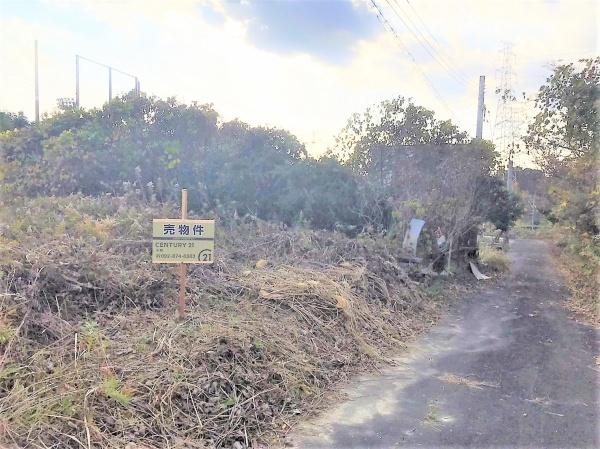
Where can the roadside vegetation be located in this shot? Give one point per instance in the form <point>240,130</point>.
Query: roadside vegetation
<point>309,286</point>
<point>92,354</point>
<point>543,229</point>
<point>494,258</point>
<point>564,139</point>
<point>580,260</point>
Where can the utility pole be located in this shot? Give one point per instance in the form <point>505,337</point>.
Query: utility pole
<point>480,108</point>
<point>77,81</point>
<point>37,86</point>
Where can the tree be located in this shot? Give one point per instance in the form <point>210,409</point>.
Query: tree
<point>327,195</point>
<point>565,141</point>
<point>388,126</point>
<point>427,168</point>
<point>159,145</point>
<point>10,121</point>
<point>247,168</point>
<point>566,125</point>
<point>133,139</point>
<point>496,204</point>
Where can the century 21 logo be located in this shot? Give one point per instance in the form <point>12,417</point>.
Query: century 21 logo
<point>205,255</point>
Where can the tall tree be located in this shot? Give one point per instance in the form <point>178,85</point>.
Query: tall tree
<point>387,126</point>
<point>566,125</point>
<point>10,121</point>
<point>564,138</point>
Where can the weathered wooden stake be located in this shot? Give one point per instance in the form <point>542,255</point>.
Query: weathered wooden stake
<point>182,266</point>
<point>449,254</point>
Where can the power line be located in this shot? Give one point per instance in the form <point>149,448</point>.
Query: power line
<point>439,45</point>
<point>388,26</point>
<point>423,40</point>
<point>421,20</point>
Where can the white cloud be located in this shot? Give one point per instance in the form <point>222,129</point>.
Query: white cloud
<point>17,38</point>
<point>178,53</point>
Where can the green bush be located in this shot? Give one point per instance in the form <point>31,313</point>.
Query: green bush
<point>155,147</point>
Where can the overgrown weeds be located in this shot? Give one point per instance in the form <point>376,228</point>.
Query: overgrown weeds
<point>93,358</point>
<point>580,261</point>
<point>494,258</point>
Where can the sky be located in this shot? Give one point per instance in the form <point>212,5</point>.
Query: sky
<point>305,66</point>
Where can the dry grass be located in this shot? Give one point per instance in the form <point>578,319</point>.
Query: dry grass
<point>579,260</point>
<point>92,356</point>
<point>585,299</point>
<point>493,258</point>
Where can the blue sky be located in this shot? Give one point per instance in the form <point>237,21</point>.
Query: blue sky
<point>323,28</point>
<point>301,65</point>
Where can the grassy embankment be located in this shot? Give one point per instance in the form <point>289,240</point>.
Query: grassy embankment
<point>580,262</point>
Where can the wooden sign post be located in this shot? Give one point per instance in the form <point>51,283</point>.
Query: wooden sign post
<point>182,267</point>
<point>182,241</point>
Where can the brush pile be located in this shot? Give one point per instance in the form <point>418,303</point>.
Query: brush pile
<point>91,355</point>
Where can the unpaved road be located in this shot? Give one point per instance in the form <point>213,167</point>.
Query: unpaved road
<point>507,368</point>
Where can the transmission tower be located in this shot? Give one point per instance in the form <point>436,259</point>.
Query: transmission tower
<point>507,124</point>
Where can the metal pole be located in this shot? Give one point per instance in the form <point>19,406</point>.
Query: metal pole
<point>480,107</point>
<point>37,86</point>
<point>77,80</point>
<point>109,84</point>
<point>136,87</point>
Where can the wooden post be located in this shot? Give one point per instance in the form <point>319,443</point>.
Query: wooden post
<point>449,254</point>
<point>182,267</point>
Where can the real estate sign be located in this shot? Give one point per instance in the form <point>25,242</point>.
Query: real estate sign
<point>183,241</point>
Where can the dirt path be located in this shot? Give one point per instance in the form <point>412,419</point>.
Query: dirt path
<point>506,368</point>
